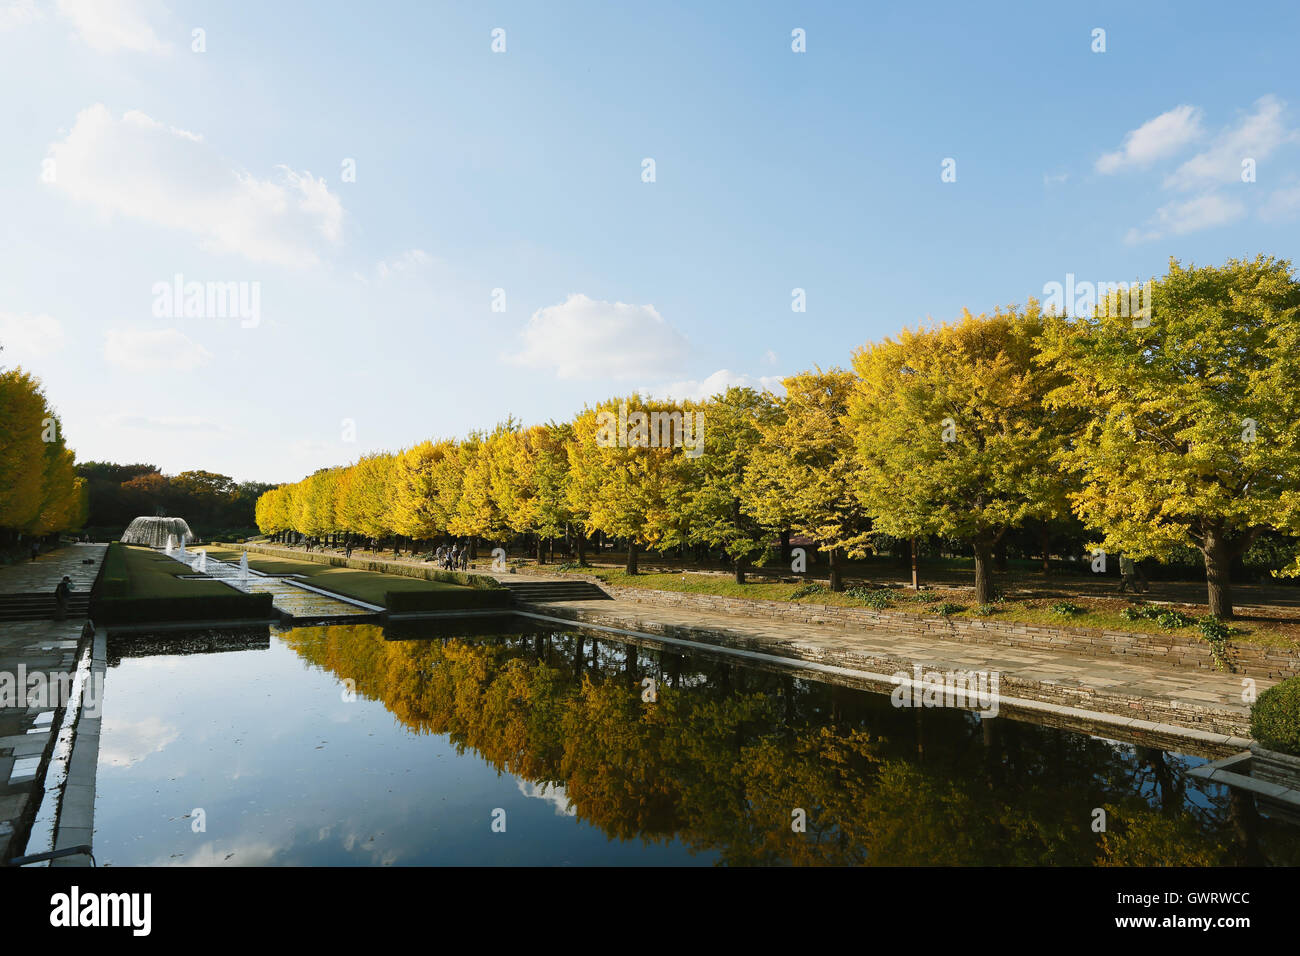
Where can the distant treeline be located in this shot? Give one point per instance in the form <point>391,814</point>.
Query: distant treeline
<point>209,502</point>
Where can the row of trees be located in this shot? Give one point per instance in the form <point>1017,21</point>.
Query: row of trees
<point>209,502</point>
<point>1180,429</point>
<point>40,493</point>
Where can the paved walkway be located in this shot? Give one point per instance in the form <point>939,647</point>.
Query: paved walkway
<point>32,731</point>
<point>46,571</point>
<point>1201,700</point>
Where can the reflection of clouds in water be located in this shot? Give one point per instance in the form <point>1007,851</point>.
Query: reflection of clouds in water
<point>157,663</point>
<point>209,854</point>
<point>370,847</point>
<point>123,743</point>
<point>550,792</point>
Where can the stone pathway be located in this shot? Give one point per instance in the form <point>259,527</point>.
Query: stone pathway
<point>47,570</point>
<point>32,731</point>
<point>1196,699</point>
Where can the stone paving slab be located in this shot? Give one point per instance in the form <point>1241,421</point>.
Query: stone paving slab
<point>46,571</point>
<point>29,729</point>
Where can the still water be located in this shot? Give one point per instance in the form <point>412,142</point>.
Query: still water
<point>346,745</point>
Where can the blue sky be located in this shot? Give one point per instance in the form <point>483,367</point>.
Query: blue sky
<point>522,171</point>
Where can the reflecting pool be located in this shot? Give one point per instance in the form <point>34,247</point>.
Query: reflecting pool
<point>452,744</point>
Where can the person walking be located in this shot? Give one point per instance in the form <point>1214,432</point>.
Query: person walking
<point>36,548</point>
<point>61,592</point>
<point>1127,574</point>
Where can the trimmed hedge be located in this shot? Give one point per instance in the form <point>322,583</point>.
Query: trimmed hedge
<point>115,580</point>
<point>160,610</point>
<point>398,602</point>
<point>143,588</point>
<point>1275,718</point>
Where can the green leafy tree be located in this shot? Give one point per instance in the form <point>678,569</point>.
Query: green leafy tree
<point>952,434</point>
<point>1193,434</point>
<point>803,474</point>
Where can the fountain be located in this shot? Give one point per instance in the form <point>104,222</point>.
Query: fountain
<point>154,531</point>
<point>200,564</point>
<point>243,566</point>
<point>171,544</point>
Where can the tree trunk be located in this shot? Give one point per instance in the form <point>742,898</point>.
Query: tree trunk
<point>983,574</point>
<point>541,549</point>
<point>1045,538</point>
<point>837,574</point>
<point>631,556</point>
<point>582,549</point>
<point>785,546</point>
<point>740,570</point>
<point>916,571</point>
<point>1218,564</point>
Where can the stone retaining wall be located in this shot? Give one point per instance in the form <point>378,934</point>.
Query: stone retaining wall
<point>1203,718</point>
<point>1173,650</point>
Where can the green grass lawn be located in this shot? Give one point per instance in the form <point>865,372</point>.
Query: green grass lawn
<point>152,574</point>
<point>1101,613</point>
<point>141,586</point>
<point>369,586</point>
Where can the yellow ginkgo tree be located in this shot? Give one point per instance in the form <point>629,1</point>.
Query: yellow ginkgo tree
<point>952,436</point>
<point>1192,434</point>
<point>803,474</point>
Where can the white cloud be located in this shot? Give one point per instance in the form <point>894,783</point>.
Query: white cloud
<point>30,335</point>
<point>153,350</point>
<point>1256,137</point>
<point>1055,179</point>
<point>111,25</point>
<point>1180,218</point>
<point>142,169</point>
<point>582,338</point>
<point>1153,140</point>
<point>719,381</point>
<point>409,261</point>
<point>18,13</point>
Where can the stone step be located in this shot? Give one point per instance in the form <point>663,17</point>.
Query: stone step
<point>554,591</point>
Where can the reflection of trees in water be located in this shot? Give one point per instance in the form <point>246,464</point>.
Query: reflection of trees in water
<point>727,753</point>
<point>180,643</point>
